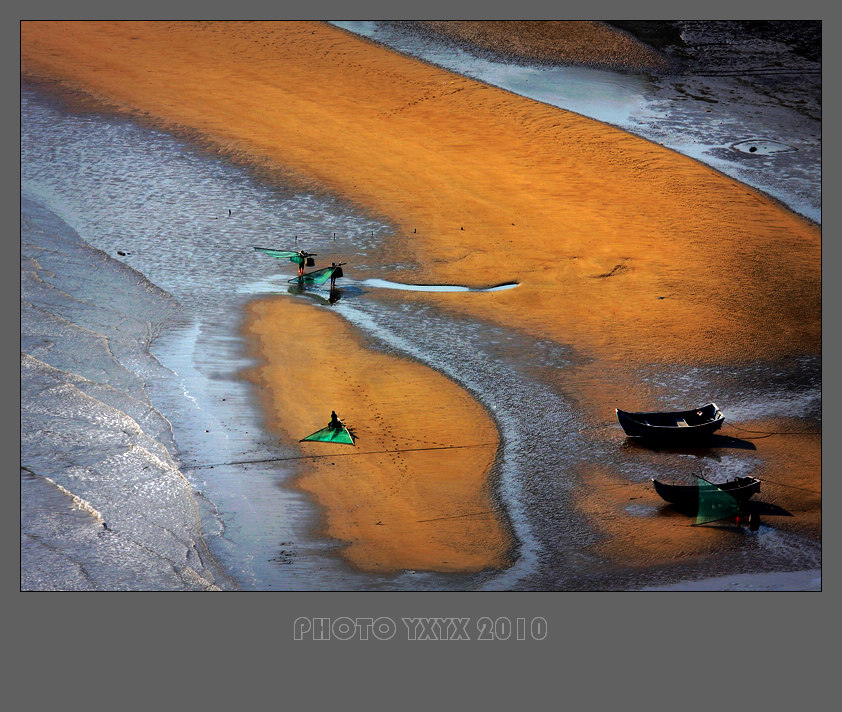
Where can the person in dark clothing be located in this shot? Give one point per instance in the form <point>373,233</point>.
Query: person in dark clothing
<point>335,423</point>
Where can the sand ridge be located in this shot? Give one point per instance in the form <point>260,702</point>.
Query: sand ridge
<point>414,492</point>
<point>556,41</point>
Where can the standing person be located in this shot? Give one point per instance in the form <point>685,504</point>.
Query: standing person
<point>335,274</point>
<point>335,423</point>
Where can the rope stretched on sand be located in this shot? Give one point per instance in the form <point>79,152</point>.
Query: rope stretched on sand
<point>766,433</point>
<point>457,516</point>
<point>338,454</point>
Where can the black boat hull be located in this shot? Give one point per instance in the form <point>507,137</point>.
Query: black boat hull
<point>672,426</point>
<point>740,489</point>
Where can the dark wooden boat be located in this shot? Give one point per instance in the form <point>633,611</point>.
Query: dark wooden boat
<point>680,425</point>
<point>740,488</point>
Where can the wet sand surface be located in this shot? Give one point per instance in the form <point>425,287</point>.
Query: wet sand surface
<point>405,496</point>
<point>682,286</point>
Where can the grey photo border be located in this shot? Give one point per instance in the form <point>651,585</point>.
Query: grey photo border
<point>600,648</point>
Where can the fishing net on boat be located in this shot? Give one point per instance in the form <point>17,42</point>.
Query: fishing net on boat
<point>714,503</point>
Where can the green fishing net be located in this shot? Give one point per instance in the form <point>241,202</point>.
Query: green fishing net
<point>331,435</point>
<point>714,503</point>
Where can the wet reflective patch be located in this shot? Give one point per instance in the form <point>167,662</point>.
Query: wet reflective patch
<point>762,146</point>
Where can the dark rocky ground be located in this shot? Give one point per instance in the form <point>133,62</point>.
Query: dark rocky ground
<point>745,97</point>
<point>780,58</point>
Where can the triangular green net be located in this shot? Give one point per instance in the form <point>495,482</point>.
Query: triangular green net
<point>280,254</point>
<point>714,503</point>
<point>320,276</point>
<point>331,435</point>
